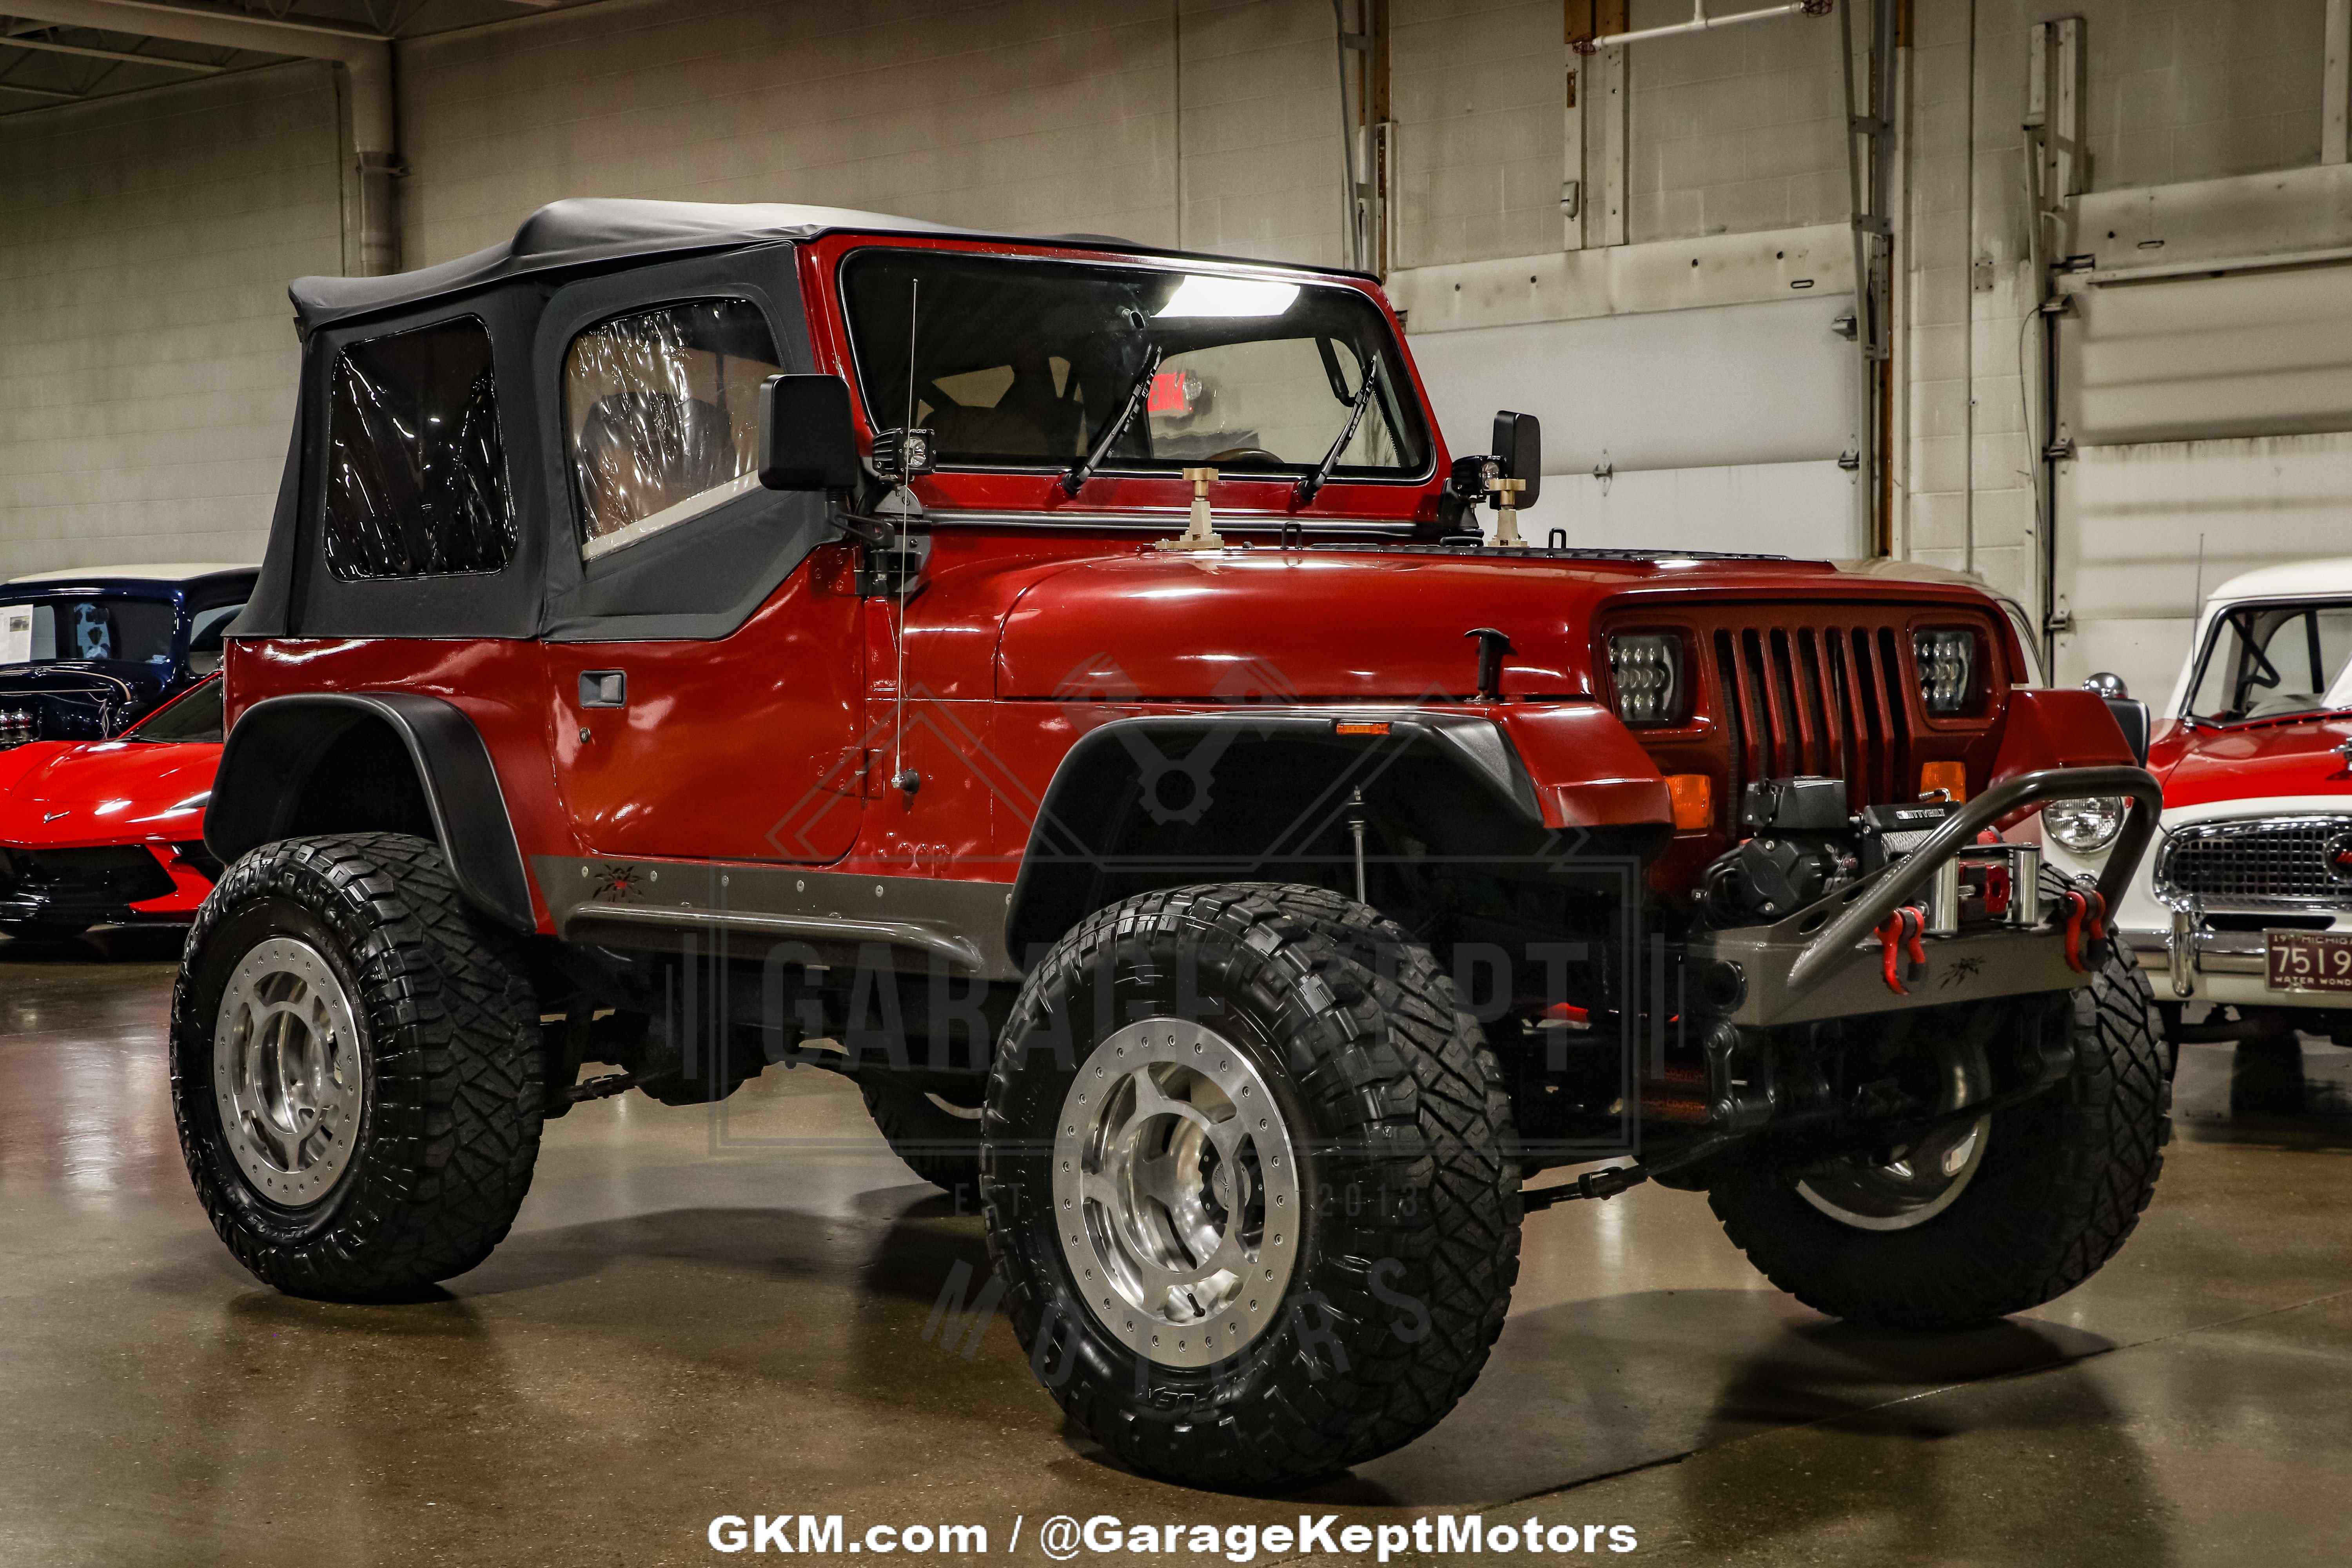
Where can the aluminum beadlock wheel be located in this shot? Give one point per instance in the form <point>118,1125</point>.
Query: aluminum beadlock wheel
<point>1925,1178</point>
<point>287,1072</point>
<point>1176,1193</point>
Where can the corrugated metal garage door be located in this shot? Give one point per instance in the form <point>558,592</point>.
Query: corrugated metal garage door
<point>1723,425</point>
<point>2212,424</point>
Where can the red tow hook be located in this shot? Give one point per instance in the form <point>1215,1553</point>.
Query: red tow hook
<point>1899,938</point>
<point>2086,910</point>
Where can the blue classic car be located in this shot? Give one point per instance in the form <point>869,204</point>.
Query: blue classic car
<point>85,654</point>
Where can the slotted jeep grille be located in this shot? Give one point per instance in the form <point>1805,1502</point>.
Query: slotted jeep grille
<point>1829,690</point>
<point>1827,700</point>
<point>2272,862</point>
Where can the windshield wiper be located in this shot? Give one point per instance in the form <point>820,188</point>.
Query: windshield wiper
<point>1304,491</point>
<point>1137,395</point>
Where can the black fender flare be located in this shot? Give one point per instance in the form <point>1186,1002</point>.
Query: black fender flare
<point>277,745</point>
<point>1063,846</point>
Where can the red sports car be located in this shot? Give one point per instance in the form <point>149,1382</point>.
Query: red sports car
<point>108,832</point>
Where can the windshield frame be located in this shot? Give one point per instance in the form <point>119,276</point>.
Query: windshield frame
<point>2336,699</point>
<point>1405,386</point>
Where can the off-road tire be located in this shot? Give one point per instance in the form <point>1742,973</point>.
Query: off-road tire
<point>451,1118</point>
<point>940,1147</point>
<point>1411,1245</point>
<point>2064,1177</point>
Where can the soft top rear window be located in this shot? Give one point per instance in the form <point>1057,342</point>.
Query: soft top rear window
<point>416,477</point>
<point>1024,361</point>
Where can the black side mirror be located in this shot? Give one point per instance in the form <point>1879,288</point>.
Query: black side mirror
<point>1518,441</point>
<point>2131,717</point>
<point>807,441</point>
<point>2131,714</point>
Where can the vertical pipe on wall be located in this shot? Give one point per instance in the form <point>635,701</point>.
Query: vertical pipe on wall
<point>1176,107</point>
<point>1363,126</point>
<point>1870,125</point>
<point>1968,338</point>
<point>2335,85</point>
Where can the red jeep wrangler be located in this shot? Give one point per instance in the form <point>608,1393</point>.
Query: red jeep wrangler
<point>1065,687</point>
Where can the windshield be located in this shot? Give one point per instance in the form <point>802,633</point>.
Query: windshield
<point>110,627</point>
<point>195,717</point>
<point>1026,363</point>
<point>2274,660</point>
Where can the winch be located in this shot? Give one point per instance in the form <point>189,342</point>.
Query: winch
<point>1803,845</point>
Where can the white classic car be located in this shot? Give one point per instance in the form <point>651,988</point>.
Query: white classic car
<point>2243,912</point>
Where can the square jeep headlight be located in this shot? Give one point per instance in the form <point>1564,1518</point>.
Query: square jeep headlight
<point>1646,668</point>
<point>1947,660</point>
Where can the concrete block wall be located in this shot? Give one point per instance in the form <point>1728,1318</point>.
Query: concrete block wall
<point>1028,115</point>
<point>1731,132</point>
<point>1260,154</point>
<point>2195,88</point>
<point>1476,89</point>
<point>147,355</point>
<point>1034,115</point>
<point>1734,130</point>
<point>2173,92</point>
<point>146,358</point>
<point>147,350</point>
<point>1934,232</point>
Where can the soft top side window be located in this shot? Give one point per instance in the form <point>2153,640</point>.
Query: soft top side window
<point>660,416</point>
<point>416,473</point>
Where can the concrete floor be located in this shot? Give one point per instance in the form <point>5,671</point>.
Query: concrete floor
<point>710,1313</point>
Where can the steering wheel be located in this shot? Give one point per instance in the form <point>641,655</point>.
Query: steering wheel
<point>1231,453</point>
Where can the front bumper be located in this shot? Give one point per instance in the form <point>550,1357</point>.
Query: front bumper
<point>2216,953</point>
<point>103,884</point>
<point>1822,963</point>
<point>2193,962</point>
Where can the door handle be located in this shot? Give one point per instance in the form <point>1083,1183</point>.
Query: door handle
<point>603,689</point>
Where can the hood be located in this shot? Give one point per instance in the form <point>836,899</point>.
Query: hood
<point>105,792</point>
<point>2260,761</point>
<point>1355,625</point>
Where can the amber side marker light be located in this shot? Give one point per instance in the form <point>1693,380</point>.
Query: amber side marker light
<point>1694,798</point>
<point>1952,778</point>
<point>1348,727</point>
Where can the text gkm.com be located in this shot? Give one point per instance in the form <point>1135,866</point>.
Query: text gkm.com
<point>1063,1538</point>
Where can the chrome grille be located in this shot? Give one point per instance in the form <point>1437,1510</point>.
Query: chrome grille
<point>2260,863</point>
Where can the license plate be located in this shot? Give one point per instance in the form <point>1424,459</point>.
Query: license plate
<point>2308,960</point>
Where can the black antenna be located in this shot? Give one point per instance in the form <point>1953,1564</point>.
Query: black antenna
<point>914,300</point>
<point>900,775</point>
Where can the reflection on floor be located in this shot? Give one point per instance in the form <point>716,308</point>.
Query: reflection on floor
<point>705,1313</point>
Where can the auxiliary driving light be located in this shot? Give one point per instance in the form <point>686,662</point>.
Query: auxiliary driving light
<point>1646,668</point>
<point>1947,657</point>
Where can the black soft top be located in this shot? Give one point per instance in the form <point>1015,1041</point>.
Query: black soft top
<point>590,229</point>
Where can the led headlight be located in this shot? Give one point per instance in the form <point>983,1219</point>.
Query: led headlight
<point>1947,657</point>
<point>2085,826</point>
<point>1646,668</point>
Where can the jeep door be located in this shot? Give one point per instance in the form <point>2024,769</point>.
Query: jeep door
<point>704,638</point>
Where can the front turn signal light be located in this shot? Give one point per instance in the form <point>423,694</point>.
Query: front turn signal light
<point>1952,778</point>
<point>1694,798</point>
